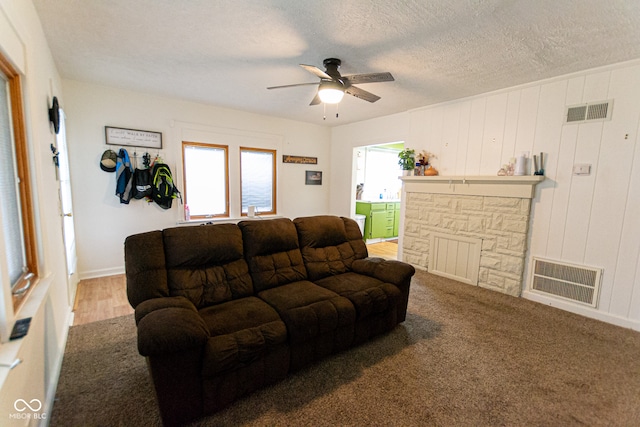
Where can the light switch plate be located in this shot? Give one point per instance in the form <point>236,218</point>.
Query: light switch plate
<point>581,169</point>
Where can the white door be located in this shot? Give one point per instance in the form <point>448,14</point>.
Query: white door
<point>66,207</point>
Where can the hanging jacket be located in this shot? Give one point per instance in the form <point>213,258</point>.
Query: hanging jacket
<point>124,174</point>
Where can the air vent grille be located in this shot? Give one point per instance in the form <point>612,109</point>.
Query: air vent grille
<point>573,282</point>
<point>576,114</point>
<point>589,112</point>
<point>597,111</point>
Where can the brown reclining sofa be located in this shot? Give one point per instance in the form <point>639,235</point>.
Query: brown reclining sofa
<point>222,310</point>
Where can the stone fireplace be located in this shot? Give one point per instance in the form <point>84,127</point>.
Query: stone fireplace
<point>492,211</point>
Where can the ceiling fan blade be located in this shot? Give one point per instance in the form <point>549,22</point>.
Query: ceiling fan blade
<point>294,85</point>
<point>369,78</point>
<point>362,94</point>
<point>316,100</point>
<point>317,71</point>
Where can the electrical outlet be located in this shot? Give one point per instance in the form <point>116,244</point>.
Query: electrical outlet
<point>581,169</point>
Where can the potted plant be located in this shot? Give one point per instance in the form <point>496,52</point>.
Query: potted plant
<point>406,160</point>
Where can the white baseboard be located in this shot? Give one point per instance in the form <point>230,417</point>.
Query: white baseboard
<point>583,311</point>
<point>92,274</point>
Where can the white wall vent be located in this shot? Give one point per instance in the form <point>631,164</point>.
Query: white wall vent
<point>455,257</point>
<point>589,112</point>
<point>572,282</point>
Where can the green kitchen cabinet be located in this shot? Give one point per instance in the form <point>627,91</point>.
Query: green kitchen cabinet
<point>381,219</point>
<point>396,220</point>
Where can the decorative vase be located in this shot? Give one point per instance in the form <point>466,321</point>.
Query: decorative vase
<point>431,171</point>
<point>406,172</point>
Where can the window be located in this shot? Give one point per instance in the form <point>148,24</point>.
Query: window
<point>206,179</point>
<point>381,174</point>
<point>16,212</point>
<point>258,180</point>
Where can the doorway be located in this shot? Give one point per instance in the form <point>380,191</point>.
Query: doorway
<point>377,196</point>
<point>66,209</point>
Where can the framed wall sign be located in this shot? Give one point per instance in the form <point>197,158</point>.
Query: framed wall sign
<point>313,178</point>
<point>133,137</point>
<point>301,160</point>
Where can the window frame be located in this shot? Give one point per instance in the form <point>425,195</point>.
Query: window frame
<point>186,144</point>
<point>29,278</point>
<point>274,177</point>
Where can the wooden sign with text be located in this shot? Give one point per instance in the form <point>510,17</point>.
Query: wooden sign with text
<point>133,137</point>
<point>301,160</point>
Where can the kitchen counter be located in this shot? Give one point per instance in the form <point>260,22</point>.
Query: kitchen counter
<point>380,201</point>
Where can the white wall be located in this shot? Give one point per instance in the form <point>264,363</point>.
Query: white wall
<point>23,42</point>
<point>591,220</point>
<point>102,223</point>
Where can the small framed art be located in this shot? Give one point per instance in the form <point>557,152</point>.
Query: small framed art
<point>313,178</point>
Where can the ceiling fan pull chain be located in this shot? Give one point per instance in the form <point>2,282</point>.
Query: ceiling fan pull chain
<point>324,112</point>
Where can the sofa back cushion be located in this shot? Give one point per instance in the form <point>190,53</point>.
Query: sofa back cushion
<point>354,236</point>
<point>205,264</point>
<point>329,244</point>
<point>145,267</point>
<point>272,252</point>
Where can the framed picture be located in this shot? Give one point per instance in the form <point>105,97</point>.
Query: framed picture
<point>313,178</point>
<point>133,137</point>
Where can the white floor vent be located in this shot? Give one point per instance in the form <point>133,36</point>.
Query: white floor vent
<point>455,257</point>
<point>576,283</point>
<point>589,112</point>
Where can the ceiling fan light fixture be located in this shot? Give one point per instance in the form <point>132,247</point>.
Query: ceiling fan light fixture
<point>331,92</point>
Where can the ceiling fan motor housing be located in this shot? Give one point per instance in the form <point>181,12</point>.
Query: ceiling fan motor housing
<point>332,65</point>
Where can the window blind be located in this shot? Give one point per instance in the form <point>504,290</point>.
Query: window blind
<point>205,172</point>
<point>10,206</point>
<point>257,180</point>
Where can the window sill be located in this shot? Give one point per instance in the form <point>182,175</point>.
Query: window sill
<point>29,308</point>
<point>225,220</point>
<point>22,358</point>
<point>26,285</point>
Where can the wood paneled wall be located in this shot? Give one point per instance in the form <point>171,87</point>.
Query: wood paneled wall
<point>592,220</point>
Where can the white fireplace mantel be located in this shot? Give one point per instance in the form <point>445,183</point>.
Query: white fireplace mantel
<point>499,186</point>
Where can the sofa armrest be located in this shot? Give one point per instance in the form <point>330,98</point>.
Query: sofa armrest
<point>389,271</point>
<point>395,272</point>
<point>153,304</point>
<point>171,330</point>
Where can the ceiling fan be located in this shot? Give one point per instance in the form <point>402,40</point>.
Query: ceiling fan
<point>333,86</point>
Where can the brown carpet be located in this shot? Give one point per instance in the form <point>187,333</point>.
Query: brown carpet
<point>464,357</point>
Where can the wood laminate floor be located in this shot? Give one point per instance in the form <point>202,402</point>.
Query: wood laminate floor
<point>100,299</point>
<point>106,297</point>
<point>388,250</point>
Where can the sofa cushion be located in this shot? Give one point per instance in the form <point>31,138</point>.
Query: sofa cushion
<point>242,331</point>
<point>326,246</point>
<point>320,231</point>
<point>309,310</point>
<point>354,236</point>
<point>272,252</point>
<point>367,294</point>
<point>205,264</point>
<point>236,315</point>
<point>146,267</point>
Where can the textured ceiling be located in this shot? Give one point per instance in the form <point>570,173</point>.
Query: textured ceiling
<point>226,52</point>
